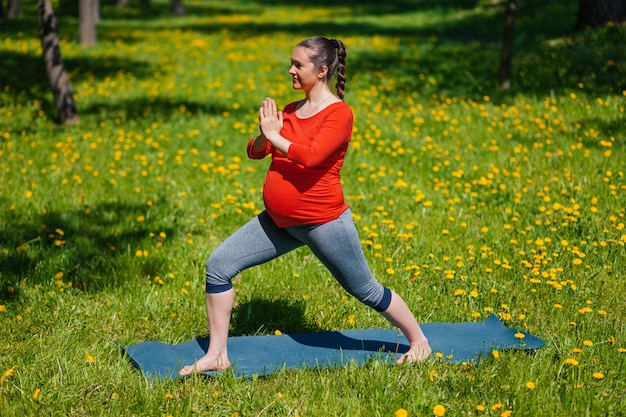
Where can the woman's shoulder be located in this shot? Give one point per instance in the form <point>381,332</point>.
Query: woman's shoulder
<point>340,107</point>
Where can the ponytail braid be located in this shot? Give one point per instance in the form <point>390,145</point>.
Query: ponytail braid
<point>341,68</point>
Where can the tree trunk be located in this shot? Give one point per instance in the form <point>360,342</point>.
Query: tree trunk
<point>506,56</point>
<point>1,11</point>
<point>59,80</point>
<point>96,11</point>
<point>87,10</point>
<point>14,9</point>
<point>593,14</point>
<point>176,7</point>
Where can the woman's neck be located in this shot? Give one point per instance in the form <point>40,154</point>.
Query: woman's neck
<point>318,95</point>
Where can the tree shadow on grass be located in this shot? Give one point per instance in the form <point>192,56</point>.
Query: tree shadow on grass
<point>158,108</point>
<point>93,251</point>
<point>27,80</point>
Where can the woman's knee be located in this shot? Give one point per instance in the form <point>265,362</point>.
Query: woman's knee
<point>217,277</point>
<point>374,295</point>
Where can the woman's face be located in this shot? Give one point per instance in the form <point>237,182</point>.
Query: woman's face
<point>303,72</point>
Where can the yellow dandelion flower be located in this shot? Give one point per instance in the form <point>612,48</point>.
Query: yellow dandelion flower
<point>432,375</point>
<point>277,332</point>
<point>519,335</point>
<point>8,373</point>
<point>2,308</point>
<point>480,407</point>
<point>530,385</point>
<point>598,375</point>
<point>578,261</point>
<point>588,343</point>
<point>90,359</point>
<point>401,412</point>
<point>495,353</point>
<point>439,410</point>
<point>168,396</point>
<point>506,413</point>
<point>36,394</point>
<point>497,406</point>
<point>571,361</point>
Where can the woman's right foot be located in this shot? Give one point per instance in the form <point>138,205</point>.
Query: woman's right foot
<point>209,362</point>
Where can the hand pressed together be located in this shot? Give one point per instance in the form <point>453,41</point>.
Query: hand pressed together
<point>270,119</point>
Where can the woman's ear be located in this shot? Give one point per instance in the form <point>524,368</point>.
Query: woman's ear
<point>322,72</point>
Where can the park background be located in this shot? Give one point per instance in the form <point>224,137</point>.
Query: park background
<point>470,200</point>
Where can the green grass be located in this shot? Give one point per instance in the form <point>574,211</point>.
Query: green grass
<point>469,201</point>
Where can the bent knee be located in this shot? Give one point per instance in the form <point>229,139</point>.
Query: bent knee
<point>217,278</point>
<point>377,297</point>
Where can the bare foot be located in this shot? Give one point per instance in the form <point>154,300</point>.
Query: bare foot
<point>209,362</point>
<point>416,353</point>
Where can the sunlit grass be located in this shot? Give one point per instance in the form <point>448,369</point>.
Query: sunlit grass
<point>469,202</point>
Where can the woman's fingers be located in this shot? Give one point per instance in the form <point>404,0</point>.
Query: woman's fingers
<point>269,108</point>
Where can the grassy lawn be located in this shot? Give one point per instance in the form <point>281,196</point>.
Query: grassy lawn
<point>470,201</point>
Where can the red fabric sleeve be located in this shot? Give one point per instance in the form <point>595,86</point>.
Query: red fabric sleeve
<point>334,132</point>
<point>259,155</point>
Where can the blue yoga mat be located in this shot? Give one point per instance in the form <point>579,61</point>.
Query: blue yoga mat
<point>264,355</point>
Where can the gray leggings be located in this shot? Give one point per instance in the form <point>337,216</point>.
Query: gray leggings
<point>336,244</point>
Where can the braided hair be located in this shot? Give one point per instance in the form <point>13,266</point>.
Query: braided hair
<point>331,53</point>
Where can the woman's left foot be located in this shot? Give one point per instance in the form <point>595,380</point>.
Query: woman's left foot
<point>416,353</point>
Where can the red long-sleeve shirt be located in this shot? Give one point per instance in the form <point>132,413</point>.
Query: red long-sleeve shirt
<point>304,187</point>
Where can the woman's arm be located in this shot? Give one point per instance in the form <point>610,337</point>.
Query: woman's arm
<point>259,145</point>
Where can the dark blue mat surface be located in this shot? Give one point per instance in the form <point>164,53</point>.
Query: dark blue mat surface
<point>263,355</point>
